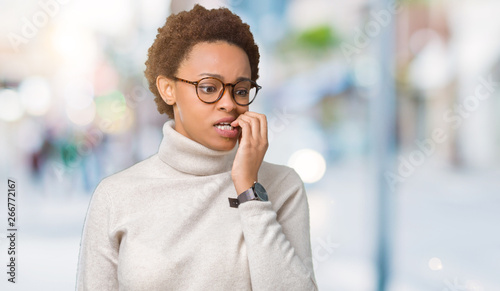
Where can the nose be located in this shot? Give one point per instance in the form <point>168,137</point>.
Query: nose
<point>226,102</point>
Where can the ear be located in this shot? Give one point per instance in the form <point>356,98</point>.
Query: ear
<point>166,88</point>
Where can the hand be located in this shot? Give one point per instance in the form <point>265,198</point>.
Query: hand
<point>251,151</point>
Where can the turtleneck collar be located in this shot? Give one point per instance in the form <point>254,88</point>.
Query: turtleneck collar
<point>187,156</point>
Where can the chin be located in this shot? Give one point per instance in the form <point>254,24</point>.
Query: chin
<point>224,145</point>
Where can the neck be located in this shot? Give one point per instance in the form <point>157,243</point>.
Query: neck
<point>187,156</point>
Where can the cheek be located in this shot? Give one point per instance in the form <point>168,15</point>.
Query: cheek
<point>242,109</point>
<point>191,110</point>
<point>183,104</point>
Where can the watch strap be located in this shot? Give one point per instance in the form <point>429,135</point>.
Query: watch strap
<point>247,195</point>
<point>233,202</point>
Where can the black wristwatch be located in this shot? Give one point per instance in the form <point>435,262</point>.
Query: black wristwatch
<point>256,192</point>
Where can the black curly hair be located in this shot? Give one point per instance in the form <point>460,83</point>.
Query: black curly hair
<point>182,31</point>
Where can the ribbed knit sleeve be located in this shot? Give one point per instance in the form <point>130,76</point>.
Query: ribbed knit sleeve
<point>98,258</point>
<point>278,242</point>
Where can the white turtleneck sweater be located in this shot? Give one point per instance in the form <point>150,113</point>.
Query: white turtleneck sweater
<point>165,224</point>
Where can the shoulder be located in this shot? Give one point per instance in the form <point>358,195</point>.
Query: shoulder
<point>282,183</point>
<point>274,172</point>
<point>127,178</point>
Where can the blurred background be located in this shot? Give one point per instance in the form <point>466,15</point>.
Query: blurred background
<point>387,110</point>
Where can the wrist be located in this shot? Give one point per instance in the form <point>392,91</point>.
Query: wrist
<point>256,192</point>
<point>242,186</point>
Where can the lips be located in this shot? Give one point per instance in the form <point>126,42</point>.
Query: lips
<point>225,120</point>
<point>223,127</point>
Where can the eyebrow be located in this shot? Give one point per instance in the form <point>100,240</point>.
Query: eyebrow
<point>220,77</point>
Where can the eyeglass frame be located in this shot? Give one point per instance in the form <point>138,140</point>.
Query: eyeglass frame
<point>195,83</point>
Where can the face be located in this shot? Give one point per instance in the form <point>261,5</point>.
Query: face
<point>194,118</point>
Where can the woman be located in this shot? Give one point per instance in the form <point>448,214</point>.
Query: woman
<point>205,212</point>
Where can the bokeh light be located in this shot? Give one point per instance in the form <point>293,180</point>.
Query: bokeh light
<point>111,106</point>
<point>119,124</point>
<point>35,95</point>
<point>74,44</point>
<point>309,164</point>
<point>11,108</point>
<point>435,264</point>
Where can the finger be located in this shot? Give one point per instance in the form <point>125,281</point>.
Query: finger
<point>254,123</point>
<point>236,122</point>
<point>263,123</point>
<point>246,131</point>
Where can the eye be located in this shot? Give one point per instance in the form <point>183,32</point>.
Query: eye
<point>242,89</point>
<point>241,92</point>
<point>207,89</point>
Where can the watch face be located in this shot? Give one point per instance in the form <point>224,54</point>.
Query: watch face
<point>261,192</point>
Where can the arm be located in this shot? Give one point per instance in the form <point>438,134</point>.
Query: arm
<point>278,245</point>
<point>98,259</point>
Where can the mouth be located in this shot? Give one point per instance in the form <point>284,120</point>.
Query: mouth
<point>224,129</point>
<point>224,126</point>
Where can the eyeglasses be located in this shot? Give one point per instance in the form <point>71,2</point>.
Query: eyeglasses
<point>210,90</point>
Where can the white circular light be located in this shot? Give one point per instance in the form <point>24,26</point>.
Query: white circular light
<point>35,95</point>
<point>435,264</point>
<point>309,164</point>
<point>11,108</point>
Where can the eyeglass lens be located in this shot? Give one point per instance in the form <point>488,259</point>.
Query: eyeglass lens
<point>209,89</point>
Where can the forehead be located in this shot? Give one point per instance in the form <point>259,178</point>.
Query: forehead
<point>220,58</point>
